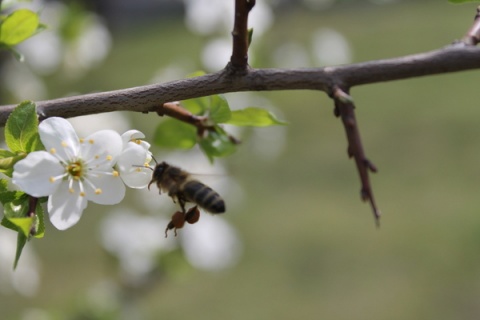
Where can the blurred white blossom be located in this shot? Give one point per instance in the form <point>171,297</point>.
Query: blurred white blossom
<point>207,17</point>
<point>135,240</point>
<point>330,47</point>
<point>212,244</point>
<point>25,279</point>
<point>216,54</point>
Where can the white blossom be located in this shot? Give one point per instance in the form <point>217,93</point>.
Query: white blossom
<point>133,163</point>
<point>71,171</point>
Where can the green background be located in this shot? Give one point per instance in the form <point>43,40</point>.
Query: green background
<point>311,249</point>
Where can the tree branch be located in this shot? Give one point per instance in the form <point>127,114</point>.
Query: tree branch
<point>239,58</point>
<point>345,109</point>
<point>147,98</point>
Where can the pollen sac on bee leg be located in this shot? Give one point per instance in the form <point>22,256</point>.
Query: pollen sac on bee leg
<point>192,215</point>
<point>177,222</point>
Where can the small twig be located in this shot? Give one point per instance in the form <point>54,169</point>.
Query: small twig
<point>239,58</point>
<point>344,108</point>
<point>202,123</point>
<point>473,35</point>
<point>175,110</point>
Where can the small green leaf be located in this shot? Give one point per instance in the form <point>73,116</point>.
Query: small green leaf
<point>172,133</point>
<point>254,117</point>
<point>39,221</point>
<point>219,109</point>
<point>21,129</point>
<point>250,36</point>
<point>6,195</point>
<point>217,144</point>
<point>23,224</point>
<point>8,160</point>
<point>195,74</point>
<point>197,106</point>
<point>21,241</point>
<point>18,26</point>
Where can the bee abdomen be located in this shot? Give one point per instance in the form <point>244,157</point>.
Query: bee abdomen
<point>204,196</point>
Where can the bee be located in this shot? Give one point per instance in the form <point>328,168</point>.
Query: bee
<point>181,187</point>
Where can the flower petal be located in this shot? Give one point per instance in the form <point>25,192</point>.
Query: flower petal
<point>59,138</point>
<point>131,165</point>
<point>101,149</point>
<point>134,136</point>
<point>65,208</point>
<point>105,189</point>
<point>34,174</point>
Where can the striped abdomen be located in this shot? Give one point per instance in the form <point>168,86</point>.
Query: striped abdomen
<point>204,196</point>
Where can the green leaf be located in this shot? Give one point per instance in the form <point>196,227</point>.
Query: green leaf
<point>172,133</point>
<point>18,26</point>
<point>219,109</point>
<point>39,221</point>
<point>197,106</point>
<point>23,224</point>
<point>21,129</point>
<point>6,195</point>
<point>195,74</point>
<point>21,241</point>
<point>217,144</point>
<point>254,117</point>
<point>8,160</point>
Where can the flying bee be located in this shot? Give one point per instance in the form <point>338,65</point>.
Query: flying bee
<point>181,187</point>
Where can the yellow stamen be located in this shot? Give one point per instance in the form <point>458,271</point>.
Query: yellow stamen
<point>82,194</point>
<point>53,151</point>
<point>71,190</point>
<point>115,173</point>
<point>109,158</point>
<point>91,141</point>
<point>138,141</point>
<point>51,179</point>
<point>64,144</point>
<point>82,140</point>
<point>76,178</point>
<point>98,191</point>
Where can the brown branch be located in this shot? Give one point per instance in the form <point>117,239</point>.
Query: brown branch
<point>239,58</point>
<point>202,123</point>
<point>147,98</point>
<point>344,108</point>
<point>175,110</point>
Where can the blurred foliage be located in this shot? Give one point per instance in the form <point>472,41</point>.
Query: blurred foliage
<point>311,248</point>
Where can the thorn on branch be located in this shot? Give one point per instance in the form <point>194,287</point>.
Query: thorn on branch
<point>472,37</point>
<point>344,108</point>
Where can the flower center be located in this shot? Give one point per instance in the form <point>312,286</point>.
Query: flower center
<point>75,169</point>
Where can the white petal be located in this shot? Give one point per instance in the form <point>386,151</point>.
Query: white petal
<point>33,173</point>
<point>105,189</point>
<point>132,157</point>
<point>65,208</point>
<point>138,179</point>
<point>131,166</point>
<point>102,148</point>
<point>134,135</point>
<point>59,137</point>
